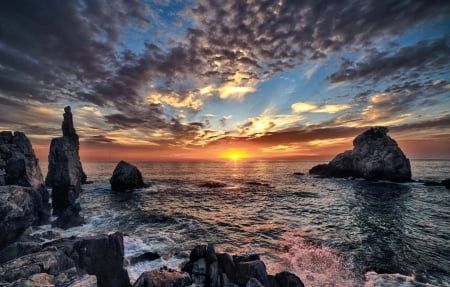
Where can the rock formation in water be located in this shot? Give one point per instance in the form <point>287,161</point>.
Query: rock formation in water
<point>375,156</point>
<point>25,201</point>
<point>126,177</point>
<point>88,261</point>
<point>65,175</point>
<point>208,268</point>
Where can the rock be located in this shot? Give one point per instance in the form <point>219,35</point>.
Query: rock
<point>446,183</point>
<point>251,269</point>
<point>212,184</point>
<point>198,252</point>
<point>38,265</point>
<point>126,177</point>
<point>158,278</point>
<point>18,249</point>
<point>245,258</point>
<point>287,279</point>
<point>375,156</point>
<point>102,256</point>
<point>227,266</point>
<point>212,267</point>
<point>20,208</point>
<point>432,183</point>
<point>253,283</point>
<point>65,174</point>
<point>147,256</point>
<point>69,217</point>
<point>19,166</point>
<point>299,173</point>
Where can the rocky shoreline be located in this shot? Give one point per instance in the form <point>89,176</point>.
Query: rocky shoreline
<point>27,260</point>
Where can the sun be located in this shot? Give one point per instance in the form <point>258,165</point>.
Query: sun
<point>234,155</point>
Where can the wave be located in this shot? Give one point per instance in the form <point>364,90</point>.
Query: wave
<point>317,265</point>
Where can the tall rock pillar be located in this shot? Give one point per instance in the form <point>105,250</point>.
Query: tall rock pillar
<point>65,175</point>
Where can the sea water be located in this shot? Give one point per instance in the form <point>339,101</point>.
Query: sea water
<point>330,232</point>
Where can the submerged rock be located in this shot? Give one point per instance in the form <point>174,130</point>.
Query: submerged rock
<point>212,184</point>
<point>375,156</point>
<point>126,177</point>
<point>65,174</point>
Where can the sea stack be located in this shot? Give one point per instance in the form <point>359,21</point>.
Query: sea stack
<point>126,177</point>
<point>375,156</point>
<point>24,200</point>
<point>65,175</point>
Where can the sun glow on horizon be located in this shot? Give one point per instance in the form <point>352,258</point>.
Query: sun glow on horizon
<point>234,155</point>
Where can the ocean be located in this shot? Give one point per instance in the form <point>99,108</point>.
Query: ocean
<point>330,232</point>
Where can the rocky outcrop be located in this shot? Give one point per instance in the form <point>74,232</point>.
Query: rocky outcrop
<point>375,156</point>
<point>208,268</point>
<point>20,207</point>
<point>89,261</point>
<point>25,200</point>
<point>65,175</point>
<point>126,177</point>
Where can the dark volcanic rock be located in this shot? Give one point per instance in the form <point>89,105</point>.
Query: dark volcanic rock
<point>126,177</point>
<point>159,278</point>
<point>65,174</point>
<point>375,156</point>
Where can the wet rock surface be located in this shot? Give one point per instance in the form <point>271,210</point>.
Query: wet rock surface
<point>375,156</point>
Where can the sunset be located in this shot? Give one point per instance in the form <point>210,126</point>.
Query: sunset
<point>240,143</point>
<point>184,81</point>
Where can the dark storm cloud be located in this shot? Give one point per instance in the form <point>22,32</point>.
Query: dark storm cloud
<point>420,58</point>
<point>50,48</point>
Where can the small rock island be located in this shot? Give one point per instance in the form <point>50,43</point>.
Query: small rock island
<point>375,156</point>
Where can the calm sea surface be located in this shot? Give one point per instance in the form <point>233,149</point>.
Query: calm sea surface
<point>328,231</point>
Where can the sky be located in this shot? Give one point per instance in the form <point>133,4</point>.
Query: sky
<point>209,79</point>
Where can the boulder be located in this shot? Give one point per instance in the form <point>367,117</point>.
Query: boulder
<point>65,174</point>
<point>251,269</point>
<point>126,177</point>
<point>20,208</point>
<point>160,278</point>
<point>375,156</point>
<point>253,282</point>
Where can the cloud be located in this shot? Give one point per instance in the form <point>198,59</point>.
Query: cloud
<point>412,60</point>
<point>303,107</point>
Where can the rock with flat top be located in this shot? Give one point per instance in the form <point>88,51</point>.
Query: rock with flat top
<point>375,156</point>
<point>126,177</point>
